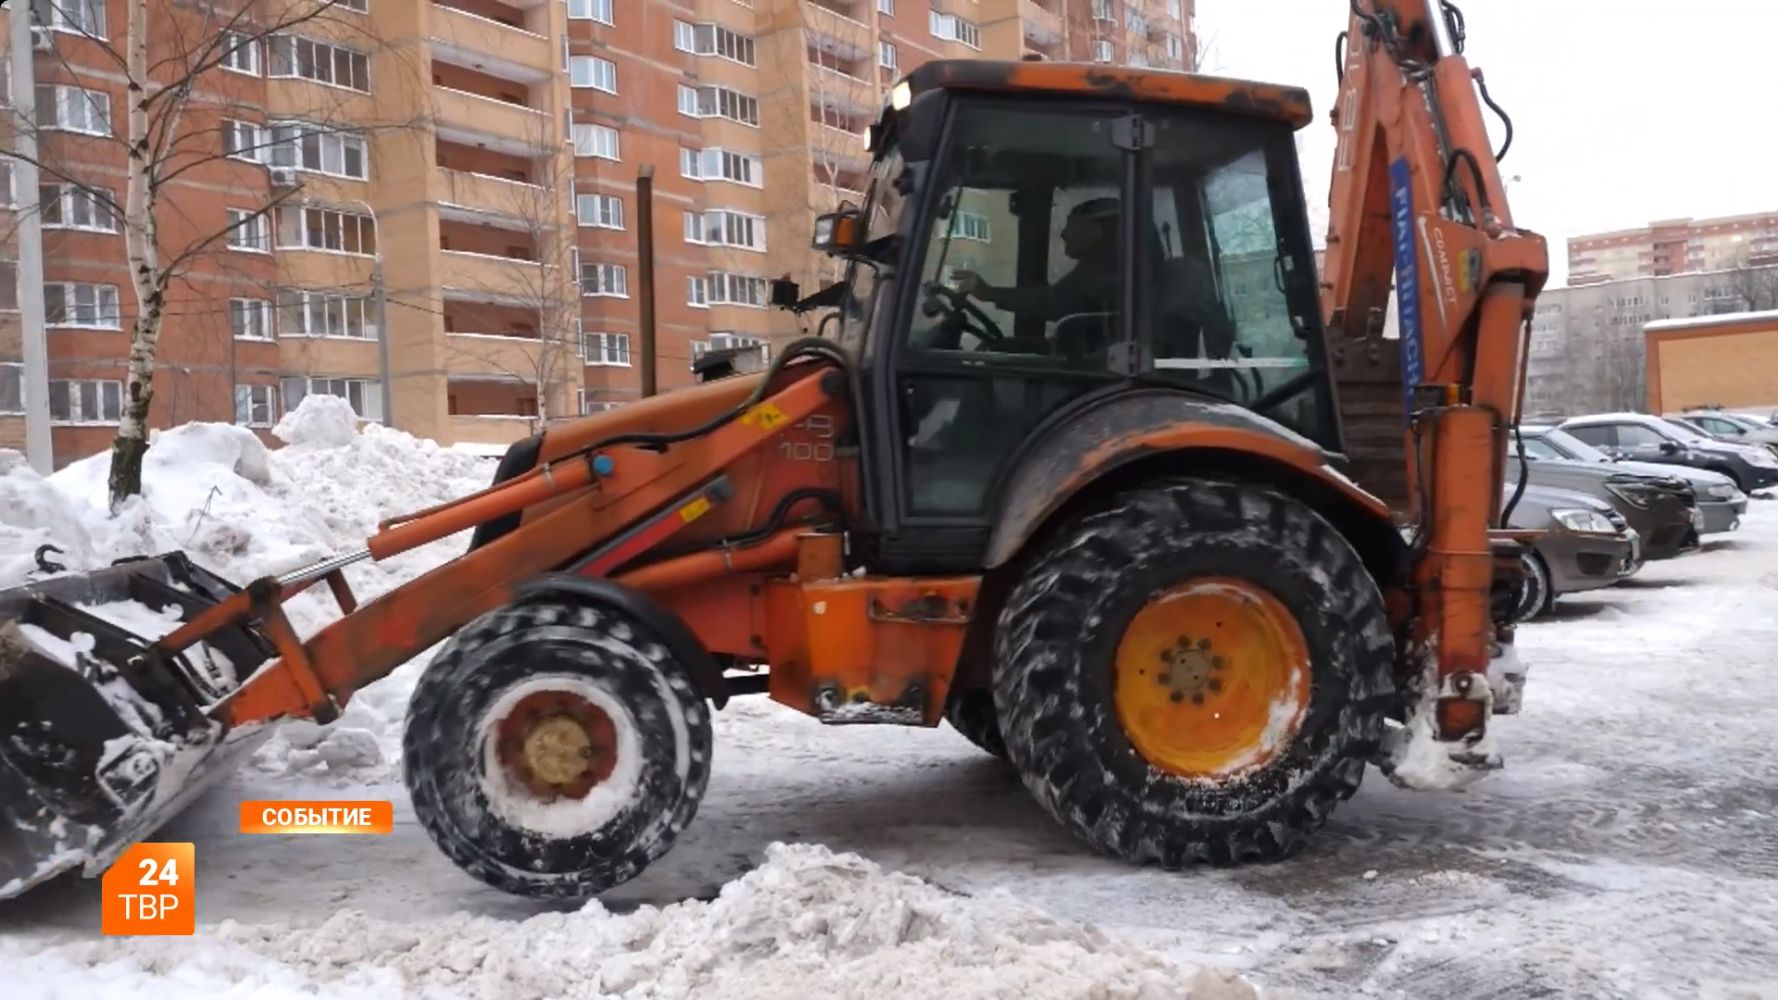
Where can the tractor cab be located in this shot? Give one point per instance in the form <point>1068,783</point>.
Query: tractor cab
<point>1040,241</point>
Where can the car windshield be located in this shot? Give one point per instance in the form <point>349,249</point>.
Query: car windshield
<point>1571,446</point>
<point>1682,432</point>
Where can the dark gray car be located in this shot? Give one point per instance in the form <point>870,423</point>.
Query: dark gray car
<point>1720,502</point>
<point>1585,545</point>
<point>1647,438</point>
<point>1731,427</point>
<point>1662,508</point>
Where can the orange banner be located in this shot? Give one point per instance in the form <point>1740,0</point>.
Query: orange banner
<point>337,817</point>
<point>150,890</point>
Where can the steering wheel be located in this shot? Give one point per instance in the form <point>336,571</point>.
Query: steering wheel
<point>961,310</point>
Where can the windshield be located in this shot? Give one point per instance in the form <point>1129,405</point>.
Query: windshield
<point>1683,433</point>
<point>1572,446</point>
<point>882,216</point>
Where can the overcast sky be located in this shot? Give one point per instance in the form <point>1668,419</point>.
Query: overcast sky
<point>1627,111</point>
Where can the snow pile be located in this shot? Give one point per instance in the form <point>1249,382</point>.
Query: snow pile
<point>806,923</point>
<point>243,511</point>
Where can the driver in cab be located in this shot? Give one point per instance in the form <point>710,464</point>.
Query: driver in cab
<point>1089,238</point>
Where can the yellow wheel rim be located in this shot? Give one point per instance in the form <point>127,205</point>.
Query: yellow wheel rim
<point>1211,678</point>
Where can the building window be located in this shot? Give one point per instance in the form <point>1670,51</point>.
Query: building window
<point>364,395</point>
<point>697,292</point>
<point>303,313</point>
<point>75,304</point>
<point>606,349</point>
<point>9,285</point>
<point>1175,48</point>
<point>1102,51</point>
<point>12,388</point>
<point>721,227</point>
<point>1102,10</point>
<point>309,228</point>
<point>887,56</point>
<point>720,165</point>
<point>736,289</point>
<point>318,149</point>
<point>594,72</point>
<point>247,230</point>
<point>720,102</point>
<point>956,29</point>
<point>256,405</point>
<point>1176,8</point>
<point>886,7</point>
<point>726,341</point>
<point>72,109</point>
<point>250,319</point>
<point>604,211</point>
<point>307,59</point>
<point>8,191</point>
<point>85,401</point>
<point>606,280</point>
<point>240,53</point>
<point>595,140</point>
<point>971,226</point>
<point>243,140</point>
<point>590,10</point>
<point>79,17</point>
<point>68,206</point>
<point>714,40</point>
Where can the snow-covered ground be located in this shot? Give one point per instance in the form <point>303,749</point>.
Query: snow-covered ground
<point>1627,849</point>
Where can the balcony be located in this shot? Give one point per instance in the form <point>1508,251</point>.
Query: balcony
<point>839,92</point>
<point>836,34</point>
<point>491,123</point>
<point>1043,27</point>
<point>461,38</point>
<point>837,149</point>
<point>487,276</point>
<point>494,355</point>
<point>494,201</point>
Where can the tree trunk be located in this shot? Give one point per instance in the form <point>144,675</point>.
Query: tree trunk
<point>141,251</point>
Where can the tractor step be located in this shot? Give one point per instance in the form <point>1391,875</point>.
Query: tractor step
<point>102,738</point>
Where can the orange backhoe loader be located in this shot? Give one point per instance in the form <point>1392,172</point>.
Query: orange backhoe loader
<point>1085,459</point>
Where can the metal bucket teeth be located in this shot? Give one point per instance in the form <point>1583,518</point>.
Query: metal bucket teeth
<point>100,739</point>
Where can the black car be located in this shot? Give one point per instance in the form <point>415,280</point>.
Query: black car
<point>1662,508</point>
<point>1646,438</point>
<point>1720,502</point>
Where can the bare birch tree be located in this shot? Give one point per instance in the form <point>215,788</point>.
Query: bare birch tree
<point>173,58</point>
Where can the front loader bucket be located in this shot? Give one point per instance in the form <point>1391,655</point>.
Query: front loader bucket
<point>101,740</point>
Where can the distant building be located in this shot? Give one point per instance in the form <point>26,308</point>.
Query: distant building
<point>1587,349</point>
<point>1675,246</point>
<point>1729,361</point>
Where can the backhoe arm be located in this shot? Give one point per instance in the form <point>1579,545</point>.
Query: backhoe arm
<point>1417,193</point>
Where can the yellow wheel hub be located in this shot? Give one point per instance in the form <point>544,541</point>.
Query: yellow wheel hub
<point>1211,678</point>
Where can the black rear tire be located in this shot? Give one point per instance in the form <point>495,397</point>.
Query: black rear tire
<point>1056,646</point>
<point>971,712</point>
<point>1536,595</point>
<point>508,837</point>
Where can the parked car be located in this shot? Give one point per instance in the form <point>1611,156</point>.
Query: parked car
<point>1732,427</point>
<point>1662,508</point>
<point>1647,438</point>
<point>1720,502</point>
<point>1585,545</point>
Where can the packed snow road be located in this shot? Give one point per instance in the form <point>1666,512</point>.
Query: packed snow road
<point>1626,851</point>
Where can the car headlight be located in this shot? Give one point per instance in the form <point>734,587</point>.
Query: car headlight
<point>1579,519</point>
<point>1724,491</point>
<point>1634,493</point>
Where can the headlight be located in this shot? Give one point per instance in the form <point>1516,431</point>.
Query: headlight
<point>1633,493</point>
<point>1577,519</point>
<point>1723,491</point>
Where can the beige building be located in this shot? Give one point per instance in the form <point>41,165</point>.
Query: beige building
<point>1674,246</point>
<point>431,205</point>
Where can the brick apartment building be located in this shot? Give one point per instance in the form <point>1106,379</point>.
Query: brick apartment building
<point>1677,246</point>
<point>451,242</point>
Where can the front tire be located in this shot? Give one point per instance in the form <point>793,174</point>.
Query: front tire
<point>1198,672</point>
<point>971,712</point>
<point>1536,595</point>
<point>555,749</point>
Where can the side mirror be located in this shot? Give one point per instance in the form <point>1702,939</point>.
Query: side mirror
<point>838,233</point>
<point>1669,448</point>
<point>785,294</point>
